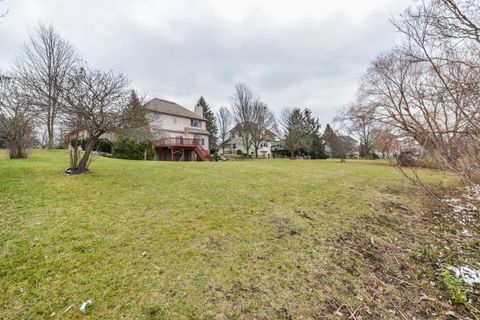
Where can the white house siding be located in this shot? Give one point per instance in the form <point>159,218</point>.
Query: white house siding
<point>235,145</point>
<point>170,126</point>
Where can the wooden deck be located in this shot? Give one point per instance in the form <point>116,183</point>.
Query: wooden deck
<point>181,149</point>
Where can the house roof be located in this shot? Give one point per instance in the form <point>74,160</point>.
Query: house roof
<point>349,139</point>
<point>172,108</point>
<point>269,135</point>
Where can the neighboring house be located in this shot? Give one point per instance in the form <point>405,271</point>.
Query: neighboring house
<point>346,146</point>
<point>234,144</point>
<point>180,134</point>
<point>79,134</point>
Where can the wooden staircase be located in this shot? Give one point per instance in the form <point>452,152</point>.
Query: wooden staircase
<point>201,152</point>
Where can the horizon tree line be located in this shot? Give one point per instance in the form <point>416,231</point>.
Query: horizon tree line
<point>51,87</point>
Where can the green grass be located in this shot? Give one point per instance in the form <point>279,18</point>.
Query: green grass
<point>249,239</point>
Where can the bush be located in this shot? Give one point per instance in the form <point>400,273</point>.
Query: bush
<point>103,145</point>
<point>374,156</point>
<point>407,159</point>
<point>125,148</point>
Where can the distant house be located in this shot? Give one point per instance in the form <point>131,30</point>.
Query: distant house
<point>234,143</point>
<point>180,134</point>
<point>344,147</point>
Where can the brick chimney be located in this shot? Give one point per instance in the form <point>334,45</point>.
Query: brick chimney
<point>199,110</point>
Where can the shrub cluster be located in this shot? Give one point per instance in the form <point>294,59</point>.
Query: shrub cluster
<point>126,148</point>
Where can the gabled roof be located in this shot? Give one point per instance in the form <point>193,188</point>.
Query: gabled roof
<point>172,108</point>
<point>349,139</point>
<point>269,135</point>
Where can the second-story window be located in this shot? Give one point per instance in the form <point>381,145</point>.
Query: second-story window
<point>196,123</point>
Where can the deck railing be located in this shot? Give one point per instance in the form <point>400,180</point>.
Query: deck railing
<point>178,141</point>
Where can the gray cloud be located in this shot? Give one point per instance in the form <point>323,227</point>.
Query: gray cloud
<point>193,50</point>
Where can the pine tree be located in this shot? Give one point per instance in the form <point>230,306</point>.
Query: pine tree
<point>140,133</point>
<point>318,147</point>
<point>301,129</point>
<point>211,124</point>
<point>329,137</point>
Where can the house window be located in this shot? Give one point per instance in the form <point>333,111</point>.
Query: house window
<point>234,145</point>
<point>196,123</point>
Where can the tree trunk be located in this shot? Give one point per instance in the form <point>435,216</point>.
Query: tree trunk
<point>145,154</point>
<point>256,152</point>
<point>50,130</point>
<point>50,138</point>
<point>83,164</point>
<point>292,154</point>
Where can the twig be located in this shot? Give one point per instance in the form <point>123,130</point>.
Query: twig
<point>352,315</point>
<point>66,310</point>
<point>401,313</point>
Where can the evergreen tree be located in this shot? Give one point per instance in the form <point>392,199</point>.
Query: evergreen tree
<point>211,124</point>
<point>300,129</point>
<point>330,138</point>
<point>318,147</point>
<point>141,134</point>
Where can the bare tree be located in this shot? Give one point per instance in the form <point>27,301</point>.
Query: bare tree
<point>428,88</point>
<point>262,125</point>
<point>360,122</point>
<point>244,113</point>
<point>16,117</point>
<point>386,142</point>
<point>97,102</point>
<point>43,66</point>
<point>225,120</point>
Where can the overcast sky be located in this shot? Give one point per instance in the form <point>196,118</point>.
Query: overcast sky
<point>306,53</point>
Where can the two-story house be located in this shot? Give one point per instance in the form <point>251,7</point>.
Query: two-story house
<point>235,143</point>
<point>180,134</point>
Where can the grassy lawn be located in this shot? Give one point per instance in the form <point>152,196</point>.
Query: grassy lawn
<point>248,239</point>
